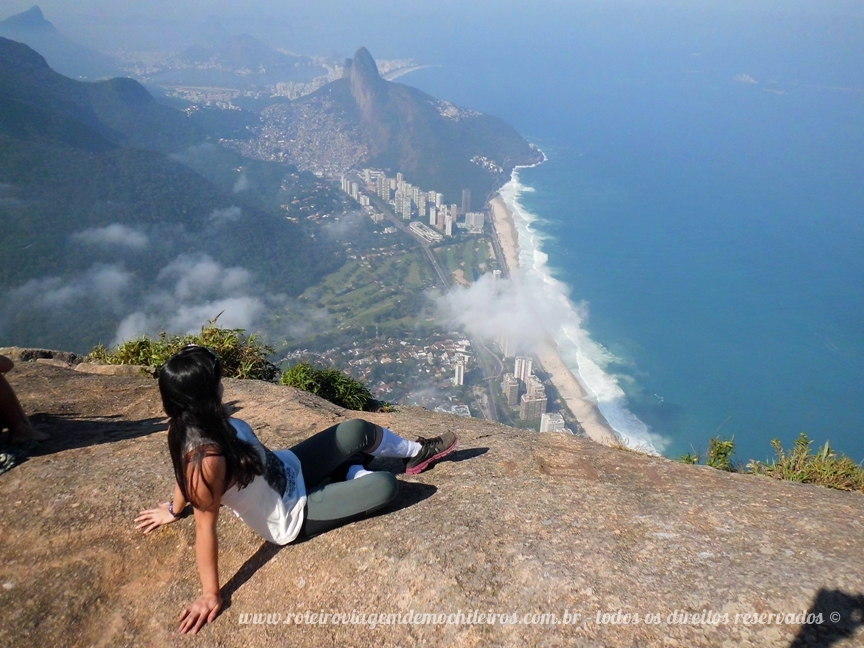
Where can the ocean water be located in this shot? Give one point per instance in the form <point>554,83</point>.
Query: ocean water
<point>703,200</point>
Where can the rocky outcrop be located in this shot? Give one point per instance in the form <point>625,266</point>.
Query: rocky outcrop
<point>513,522</point>
<point>367,87</point>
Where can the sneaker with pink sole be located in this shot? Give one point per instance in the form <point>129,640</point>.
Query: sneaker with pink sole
<point>431,450</point>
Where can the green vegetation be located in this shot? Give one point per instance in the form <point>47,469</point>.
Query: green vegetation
<point>332,385</point>
<point>377,295</point>
<point>719,455</point>
<point>242,356</point>
<point>825,468</point>
<point>471,256</point>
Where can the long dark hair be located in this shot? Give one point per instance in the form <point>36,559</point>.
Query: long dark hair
<point>189,385</point>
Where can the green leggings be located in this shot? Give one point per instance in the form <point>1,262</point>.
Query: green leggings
<point>329,505</point>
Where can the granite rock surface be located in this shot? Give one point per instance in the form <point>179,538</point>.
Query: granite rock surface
<point>513,523</point>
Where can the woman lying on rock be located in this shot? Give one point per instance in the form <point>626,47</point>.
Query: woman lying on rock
<point>283,494</point>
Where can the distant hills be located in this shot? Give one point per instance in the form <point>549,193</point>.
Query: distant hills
<point>88,171</point>
<point>361,119</point>
<point>115,112</point>
<point>238,61</point>
<point>63,54</point>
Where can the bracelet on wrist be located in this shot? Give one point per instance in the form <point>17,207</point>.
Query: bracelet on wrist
<point>171,510</point>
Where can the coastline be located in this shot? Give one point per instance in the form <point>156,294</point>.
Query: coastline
<point>569,388</point>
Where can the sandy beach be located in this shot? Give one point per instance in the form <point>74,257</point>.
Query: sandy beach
<point>569,388</point>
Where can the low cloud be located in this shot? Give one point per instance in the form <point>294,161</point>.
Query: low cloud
<point>198,154</point>
<point>187,293</point>
<point>112,236</point>
<point>194,289</point>
<point>341,227</point>
<point>105,283</point>
<point>242,183</point>
<point>228,215</point>
<point>191,290</point>
<point>242,312</point>
<point>518,309</point>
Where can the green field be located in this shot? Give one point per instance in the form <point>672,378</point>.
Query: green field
<point>471,255</point>
<point>381,294</point>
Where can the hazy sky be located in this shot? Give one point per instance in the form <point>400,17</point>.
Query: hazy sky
<point>398,27</point>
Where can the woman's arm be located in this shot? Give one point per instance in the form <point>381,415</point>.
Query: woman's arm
<point>208,484</point>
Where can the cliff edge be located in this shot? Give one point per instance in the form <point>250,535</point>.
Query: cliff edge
<point>514,523</point>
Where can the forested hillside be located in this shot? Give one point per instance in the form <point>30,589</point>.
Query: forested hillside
<point>99,177</point>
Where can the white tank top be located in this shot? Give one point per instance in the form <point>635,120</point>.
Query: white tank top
<point>272,504</point>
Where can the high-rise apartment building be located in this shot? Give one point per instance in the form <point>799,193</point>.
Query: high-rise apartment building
<point>510,387</point>
<point>475,220</point>
<point>504,343</point>
<point>523,367</point>
<point>466,201</point>
<point>459,373</point>
<point>383,188</point>
<point>552,422</point>
<point>534,385</point>
<point>532,407</point>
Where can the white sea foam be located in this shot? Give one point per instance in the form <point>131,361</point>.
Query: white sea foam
<point>586,359</point>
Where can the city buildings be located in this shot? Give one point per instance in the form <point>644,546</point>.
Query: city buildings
<point>534,385</point>
<point>552,422</point>
<point>523,368</point>
<point>425,232</point>
<point>459,373</point>
<point>532,407</point>
<point>409,201</point>
<point>475,220</point>
<point>510,387</point>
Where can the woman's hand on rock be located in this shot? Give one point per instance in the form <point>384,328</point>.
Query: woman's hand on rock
<point>202,611</point>
<point>151,519</point>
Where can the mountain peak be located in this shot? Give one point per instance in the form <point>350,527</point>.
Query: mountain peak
<point>367,86</point>
<point>30,19</point>
<point>364,64</point>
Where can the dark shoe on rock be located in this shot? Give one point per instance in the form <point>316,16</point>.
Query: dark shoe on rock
<point>431,450</point>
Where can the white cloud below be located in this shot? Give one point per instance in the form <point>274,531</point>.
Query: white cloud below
<point>112,236</point>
